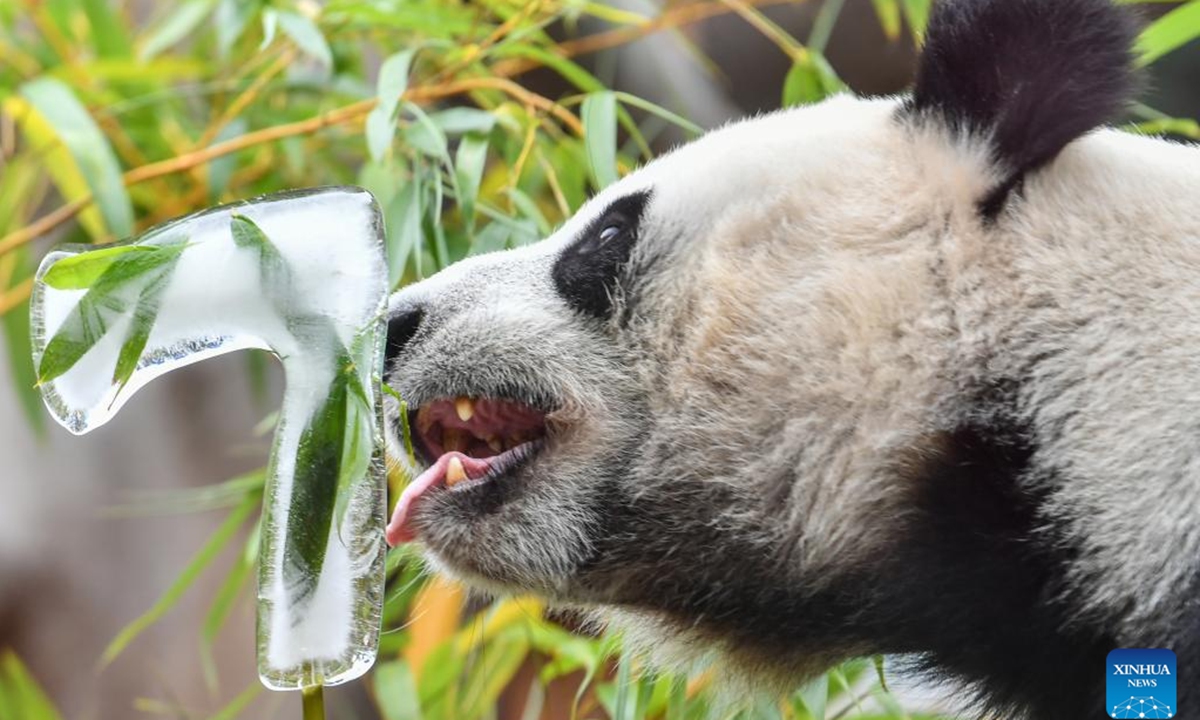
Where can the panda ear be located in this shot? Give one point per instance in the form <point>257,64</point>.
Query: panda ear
<point>1029,76</point>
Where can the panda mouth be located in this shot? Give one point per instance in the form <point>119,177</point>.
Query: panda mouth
<point>466,443</point>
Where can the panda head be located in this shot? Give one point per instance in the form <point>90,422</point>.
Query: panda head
<point>655,379</point>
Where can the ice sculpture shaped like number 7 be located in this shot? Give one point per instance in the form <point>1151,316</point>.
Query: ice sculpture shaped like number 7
<point>300,274</point>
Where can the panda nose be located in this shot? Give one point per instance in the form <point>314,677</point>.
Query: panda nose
<point>401,328</point>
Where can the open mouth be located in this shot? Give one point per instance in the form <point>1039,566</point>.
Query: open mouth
<point>466,442</point>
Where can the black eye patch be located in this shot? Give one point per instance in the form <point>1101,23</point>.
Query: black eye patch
<point>588,271</point>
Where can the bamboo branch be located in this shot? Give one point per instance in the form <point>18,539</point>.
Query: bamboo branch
<point>44,224</point>
<point>669,20</point>
<point>770,30</point>
<point>15,295</point>
<point>247,96</point>
<point>355,111</point>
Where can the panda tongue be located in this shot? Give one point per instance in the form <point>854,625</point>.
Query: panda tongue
<point>400,529</point>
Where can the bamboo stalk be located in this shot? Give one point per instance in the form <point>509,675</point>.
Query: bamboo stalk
<point>313,701</point>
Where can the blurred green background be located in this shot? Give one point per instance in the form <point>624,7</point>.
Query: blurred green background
<point>126,556</point>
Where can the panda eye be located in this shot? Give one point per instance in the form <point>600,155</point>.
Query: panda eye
<point>611,231</point>
<point>588,271</point>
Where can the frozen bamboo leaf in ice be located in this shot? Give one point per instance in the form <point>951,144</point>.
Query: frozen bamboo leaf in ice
<point>300,274</point>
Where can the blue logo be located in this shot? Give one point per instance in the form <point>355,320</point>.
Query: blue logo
<point>1141,684</point>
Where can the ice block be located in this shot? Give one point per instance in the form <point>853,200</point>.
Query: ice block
<point>303,275</point>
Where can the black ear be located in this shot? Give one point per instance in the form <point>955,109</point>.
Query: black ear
<point>1029,75</point>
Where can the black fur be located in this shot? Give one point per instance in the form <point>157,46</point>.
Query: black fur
<point>401,329</point>
<point>970,585</point>
<point>976,586</point>
<point>1032,74</point>
<point>588,272</point>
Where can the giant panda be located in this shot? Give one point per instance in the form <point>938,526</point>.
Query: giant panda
<point>915,375</point>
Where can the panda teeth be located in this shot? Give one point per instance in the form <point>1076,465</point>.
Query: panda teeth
<point>465,408</point>
<point>455,473</point>
<point>494,443</point>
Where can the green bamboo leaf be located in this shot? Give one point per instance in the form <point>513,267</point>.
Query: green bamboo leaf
<point>429,137</point>
<point>822,29</point>
<point>247,234</point>
<point>54,158</point>
<point>62,12</point>
<point>357,444</point>
<point>499,664</point>
<point>599,114</point>
<point>614,15</point>
<point>396,691</point>
<point>306,35</point>
<point>20,694</point>
<point>469,163</point>
<point>381,179</point>
<point>270,25</point>
<point>8,694</point>
<point>315,485</point>
<point>201,560</point>
<point>815,696</point>
<point>810,80</point>
<point>133,346</point>
<point>917,14</point>
<point>381,121</point>
<point>109,35</point>
<point>380,129</point>
<point>891,706</point>
<point>235,580</point>
<point>520,231</point>
<point>405,430</point>
<point>231,19</point>
<point>570,71</point>
<point>17,340</point>
<point>622,707</point>
<point>81,271</point>
<point>425,135</point>
<point>494,236</point>
<point>272,266</point>
<point>132,266</point>
<point>393,80</point>
<point>217,496</point>
<point>238,705</point>
<point>877,662</point>
<point>103,304</point>
<point>440,674</point>
<point>222,604</point>
<point>140,326</point>
<point>1184,127</point>
<point>677,700</point>
<point>889,17</point>
<point>528,208</point>
<point>403,215</point>
<point>97,162</point>
<point>62,352</point>
<point>462,120</point>
<point>20,185</point>
<point>180,24</point>
<point>334,453</point>
<point>1169,33</point>
<point>660,111</point>
<point>161,69</point>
